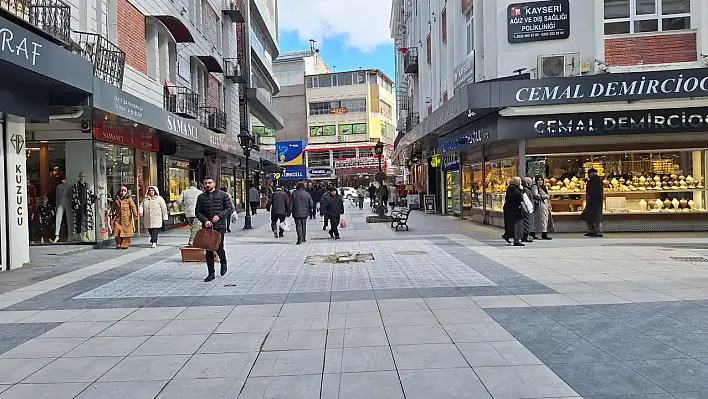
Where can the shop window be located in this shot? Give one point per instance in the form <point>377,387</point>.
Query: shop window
<point>318,158</point>
<point>498,175</point>
<point>341,154</point>
<point>637,16</point>
<point>472,181</point>
<point>469,21</point>
<point>178,174</point>
<point>115,168</point>
<point>634,182</point>
<point>324,108</point>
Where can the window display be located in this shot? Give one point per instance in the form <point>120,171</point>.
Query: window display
<point>498,175</point>
<point>452,181</point>
<point>178,177</point>
<point>634,182</point>
<point>115,168</point>
<point>472,187</point>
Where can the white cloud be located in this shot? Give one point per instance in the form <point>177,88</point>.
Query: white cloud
<point>364,24</point>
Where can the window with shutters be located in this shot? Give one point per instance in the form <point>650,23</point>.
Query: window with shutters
<point>443,24</point>
<point>429,47</point>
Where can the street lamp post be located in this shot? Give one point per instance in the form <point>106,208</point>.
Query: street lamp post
<point>246,141</point>
<point>380,177</point>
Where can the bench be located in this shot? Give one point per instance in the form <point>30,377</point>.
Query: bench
<point>400,218</point>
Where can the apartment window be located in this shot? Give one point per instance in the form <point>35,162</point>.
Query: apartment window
<point>469,21</point>
<point>318,158</point>
<point>219,33</point>
<point>637,16</point>
<point>429,48</point>
<point>443,24</point>
<point>386,110</point>
<point>199,14</point>
<point>324,107</point>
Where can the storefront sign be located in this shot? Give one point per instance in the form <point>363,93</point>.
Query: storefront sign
<point>320,173</point>
<point>129,107</point>
<point>464,72</point>
<point>19,46</point>
<point>537,21</point>
<point>340,110</point>
<point>352,166</point>
<point>451,162</point>
<point>290,152</point>
<point>429,201</point>
<point>413,201</point>
<point>182,128</point>
<point>435,161</point>
<point>611,123</point>
<point>118,134</point>
<point>293,173</point>
<point>467,139</point>
<point>608,87</point>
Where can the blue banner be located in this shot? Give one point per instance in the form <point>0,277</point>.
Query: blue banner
<point>290,153</point>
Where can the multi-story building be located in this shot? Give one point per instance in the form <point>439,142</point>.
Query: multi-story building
<point>127,93</point>
<point>488,90</point>
<point>348,113</point>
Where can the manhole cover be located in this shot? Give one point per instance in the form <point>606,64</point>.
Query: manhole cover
<point>692,259</point>
<point>339,257</point>
<point>411,252</point>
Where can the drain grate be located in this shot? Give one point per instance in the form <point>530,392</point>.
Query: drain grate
<point>692,259</point>
<point>411,252</point>
<point>339,257</point>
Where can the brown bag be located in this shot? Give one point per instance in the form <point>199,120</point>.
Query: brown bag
<point>208,239</point>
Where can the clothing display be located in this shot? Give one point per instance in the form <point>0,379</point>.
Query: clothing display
<point>45,216</point>
<point>82,199</point>
<point>63,202</point>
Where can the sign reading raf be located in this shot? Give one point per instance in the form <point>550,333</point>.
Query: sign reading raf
<point>20,47</point>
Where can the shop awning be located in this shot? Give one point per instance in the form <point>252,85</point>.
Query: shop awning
<point>211,63</point>
<point>180,32</point>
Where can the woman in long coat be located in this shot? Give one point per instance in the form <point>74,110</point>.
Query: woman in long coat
<point>124,214</point>
<point>526,184</point>
<point>541,210</point>
<point>154,213</point>
<point>513,218</point>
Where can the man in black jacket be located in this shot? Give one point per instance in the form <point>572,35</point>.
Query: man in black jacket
<point>213,210</point>
<point>333,209</point>
<point>301,208</point>
<point>279,208</point>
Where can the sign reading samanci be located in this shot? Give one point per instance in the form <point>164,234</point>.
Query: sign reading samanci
<point>609,123</point>
<point>537,21</point>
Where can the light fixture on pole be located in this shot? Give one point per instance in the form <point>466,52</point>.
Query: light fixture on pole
<point>246,141</point>
<point>381,178</point>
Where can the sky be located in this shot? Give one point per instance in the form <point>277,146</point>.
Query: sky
<point>349,36</point>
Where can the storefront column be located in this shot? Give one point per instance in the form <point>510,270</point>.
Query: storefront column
<point>14,217</point>
<point>522,158</point>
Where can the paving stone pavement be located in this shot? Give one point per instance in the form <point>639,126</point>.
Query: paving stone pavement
<point>444,310</point>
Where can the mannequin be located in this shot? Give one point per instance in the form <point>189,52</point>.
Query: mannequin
<point>63,200</point>
<point>82,199</point>
<point>56,177</point>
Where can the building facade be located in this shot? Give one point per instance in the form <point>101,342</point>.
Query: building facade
<point>127,94</point>
<point>553,89</point>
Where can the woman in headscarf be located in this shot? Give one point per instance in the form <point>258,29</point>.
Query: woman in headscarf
<point>542,208</point>
<point>124,214</point>
<point>513,219</point>
<point>526,184</point>
<point>154,213</point>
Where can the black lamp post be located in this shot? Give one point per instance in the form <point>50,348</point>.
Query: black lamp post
<point>380,177</point>
<point>379,152</point>
<point>246,141</point>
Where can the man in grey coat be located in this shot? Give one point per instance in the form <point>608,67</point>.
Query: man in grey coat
<point>302,206</point>
<point>279,208</point>
<point>188,198</point>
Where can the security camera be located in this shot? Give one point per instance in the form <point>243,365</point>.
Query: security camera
<point>602,65</point>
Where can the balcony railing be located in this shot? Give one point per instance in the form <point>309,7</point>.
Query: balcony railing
<point>412,121</point>
<point>107,58</point>
<point>410,60</point>
<point>181,101</point>
<point>213,119</point>
<point>52,17</point>
<point>236,70</point>
<point>234,10</point>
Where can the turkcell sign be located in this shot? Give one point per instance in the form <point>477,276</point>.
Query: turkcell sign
<point>294,173</point>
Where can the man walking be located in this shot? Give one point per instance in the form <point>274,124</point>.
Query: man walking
<point>254,198</point>
<point>325,195</point>
<point>333,209</point>
<point>302,205</point>
<point>279,207</point>
<point>592,214</point>
<point>188,199</point>
<point>213,209</point>
<point>361,195</point>
<point>372,195</point>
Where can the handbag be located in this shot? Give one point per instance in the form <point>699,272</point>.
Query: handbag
<point>207,239</point>
<point>526,204</point>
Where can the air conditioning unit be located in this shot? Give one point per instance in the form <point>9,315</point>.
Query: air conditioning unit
<point>559,65</point>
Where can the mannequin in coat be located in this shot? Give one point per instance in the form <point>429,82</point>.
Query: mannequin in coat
<point>82,200</point>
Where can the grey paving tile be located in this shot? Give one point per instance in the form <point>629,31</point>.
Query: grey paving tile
<point>477,332</point>
<point>674,375</point>
<point>288,363</point>
<point>339,296</point>
<point>441,292</point>
<point>462,316</point>
<point>408,304</point>
<point>428,356</point>
<point>107,346</point>
<point>564,350</point>
<point>534,381</point>
<point>369,358</point>
<point>538,330</point>
<point>299,339</point>
<point>43,347</point>
<point>451,303</point>
<point>44,391</point>
<point>366,336</point>
<point>171,345</point>
<point>217,365</point>
<point>370,385</point>
<point>307,297</point>
<point>189,327</point>
<point>442,383</point>
<point>485,291</point>
<point>359,320</point>
<point>130,303</point>
<point>205,312</point>
<point>282,387</point>
<point>146,368</point>
<point>122,390</point>
<point>80,369</point>
<point>13,371</point>
<point>517,315</point>
<point>625,311</point>
<point>200,388</point>
<point>661,325</point>
<point>104,314</point>
<point>232,325</point>
<point>217,300</point>
<point>506,353</point>
<point>133,328</point>
<point>690,395</point>
<point>636,346</point>
<point>56,316</point>
<point>612,378</point>
<point>226,343</point>
<point>409,318</point>
<point>155,313</point>
<point>397,293</point>
<point>263,299</point>
<point>330,386</point>
<point>406,335</point>
<point>171,301</point>
<point>694,345</point>
<point>88,303</point>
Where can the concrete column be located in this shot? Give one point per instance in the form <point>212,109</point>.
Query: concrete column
<point>14,214</point>
<point>522,158</point>
<point>163,56</point>
<point>152,51</point>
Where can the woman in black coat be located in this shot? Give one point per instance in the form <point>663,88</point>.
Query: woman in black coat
<point>513,217</point>
<point>592,214</point>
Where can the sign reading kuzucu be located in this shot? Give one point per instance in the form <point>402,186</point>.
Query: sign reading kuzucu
<point>537,21</point>
<point>609,123</point>
<point>654,85</point>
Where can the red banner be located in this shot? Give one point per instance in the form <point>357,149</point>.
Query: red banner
<point>118,135</point>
